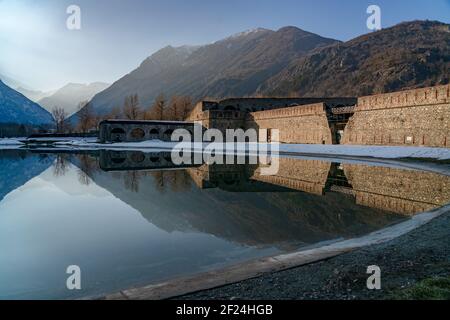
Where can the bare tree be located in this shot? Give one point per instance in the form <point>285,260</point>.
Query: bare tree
<point>156,111</point>
<point>148,114</point>
<point>172,112</point>
<point>131,108</point>
<point>59,117</point>
<point>86,117</point>
<point>185,107</point>
<point>178,108</point>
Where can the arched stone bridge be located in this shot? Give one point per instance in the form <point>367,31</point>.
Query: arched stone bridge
<point>136,130</point>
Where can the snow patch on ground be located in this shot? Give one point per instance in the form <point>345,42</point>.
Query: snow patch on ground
<point>62,140</point>
<point>10,142</point>
<point>389,152</point>
<point>386,152</point>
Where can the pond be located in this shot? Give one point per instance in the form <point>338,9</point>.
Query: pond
<point>130,218</point>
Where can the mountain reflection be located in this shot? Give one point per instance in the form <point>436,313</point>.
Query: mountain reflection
<point>305,202</point>
<point>19,166</point>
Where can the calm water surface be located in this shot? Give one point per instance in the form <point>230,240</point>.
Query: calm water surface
<point>129,219</point>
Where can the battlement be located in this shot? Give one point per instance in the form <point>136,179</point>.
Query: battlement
<point>302,110</point>
<point>407,98</point>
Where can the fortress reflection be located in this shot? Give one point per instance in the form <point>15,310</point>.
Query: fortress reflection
<point>397,190</point>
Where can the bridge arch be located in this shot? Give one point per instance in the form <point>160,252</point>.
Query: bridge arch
<point>118,134</point>
<point>168,134</point>
<point>137,134</point>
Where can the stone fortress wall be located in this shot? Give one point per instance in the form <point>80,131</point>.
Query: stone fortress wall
<point>419,117</point>
<point>300,124</point>
<point>299,120</point>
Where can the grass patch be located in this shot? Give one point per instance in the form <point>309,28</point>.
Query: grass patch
<point>428,289</point>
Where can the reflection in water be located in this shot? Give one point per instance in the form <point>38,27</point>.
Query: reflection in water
<point>403,191</point>
<point>18,166</point>
<point>305,202</point>
<point>391,189</point>
<point>176,181</point>
<point>89,209</point>
<point>60,166</point>
<point>87,165</point>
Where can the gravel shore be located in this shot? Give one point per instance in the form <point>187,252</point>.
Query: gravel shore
<point>405,261</point>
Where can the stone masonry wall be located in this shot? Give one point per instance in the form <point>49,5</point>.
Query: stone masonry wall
<point>217,119</point>
<point>418,117</point>
<point>301,124</point>
<point>197,114</point>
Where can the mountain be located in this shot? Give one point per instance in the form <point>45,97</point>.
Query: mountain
<point>33,95</point>
<point>16,108</point>
<point>70,96</point>
<point>291,61</point>
<point>408,55</point>
<point>11,82</point>
<point>236,65</point>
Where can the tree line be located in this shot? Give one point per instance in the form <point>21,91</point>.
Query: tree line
<point>9,130</point>
<point>177,108</point>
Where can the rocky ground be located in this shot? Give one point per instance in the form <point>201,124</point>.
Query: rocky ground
<point>407,265</point>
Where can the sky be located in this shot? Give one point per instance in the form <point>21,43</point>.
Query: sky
<point>38,50</point>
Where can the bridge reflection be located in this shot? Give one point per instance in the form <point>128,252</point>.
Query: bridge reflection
<point>136,160</point>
